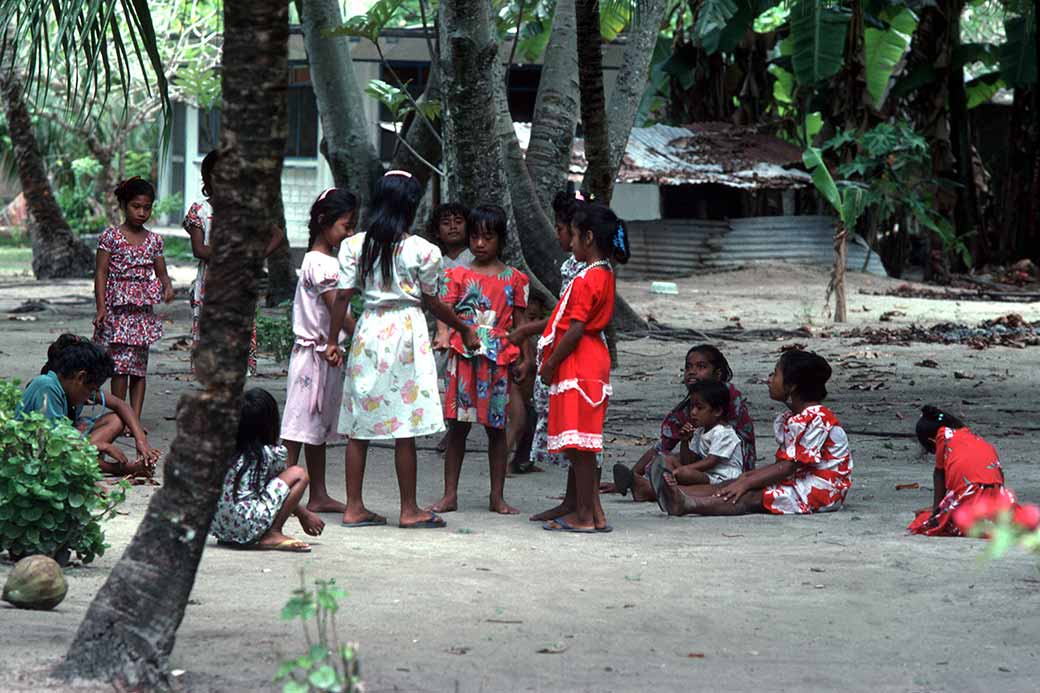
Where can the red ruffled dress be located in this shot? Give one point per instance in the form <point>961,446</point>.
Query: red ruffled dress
<point>581,386</point>
<point>973,475</point>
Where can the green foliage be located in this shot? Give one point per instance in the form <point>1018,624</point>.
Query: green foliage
<point>77,197</point>
<point>817,37</point>
<point>327,665</point>
<point>49,500</point>
<point>398,102</point>
<point>178,249</point>
<point>884,50</point>
<point>370,24</point>
<point>275,335</point>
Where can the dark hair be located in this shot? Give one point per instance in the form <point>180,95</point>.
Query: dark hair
<point>807,372</point>
<point>327,210</point>
<point>83,356</point>
<point>932,419</point>
<point>714,394</point>
<point>131,188</point>
<point>490,218</point>
<point>58,346</point>
<point>608,232</point>
<point>448,209</point>
<point>207,172</point>
<point>258,426</point>
<point>390,216</point>
<point>716,359</point>
<point>565,204</point>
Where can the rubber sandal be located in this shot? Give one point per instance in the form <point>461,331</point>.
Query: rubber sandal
<point>623,479</point>
<point>605,529</point>
<point>435,522</point>
<point>562,526</point>
<point>377,521</point>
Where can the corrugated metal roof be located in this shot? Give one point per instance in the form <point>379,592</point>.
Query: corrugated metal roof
<point>721,153</point>
<point>677,247</point>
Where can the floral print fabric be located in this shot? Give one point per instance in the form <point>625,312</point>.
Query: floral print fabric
<point>391,385</point>
<point>246,510</point>
<point>815,440</point>
<point>131,291</point>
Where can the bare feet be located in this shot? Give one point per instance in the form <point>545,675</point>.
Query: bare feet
<point>311,523</point>
<point>282,542</point>
<point>552,513</point>
<point>362,518</point>
<point>325,504</point>
<point>502,508</point>
<point>445,505</point>
<point>673,501</point>
<point>607,487</point>
<point>571,520</point>
<point>420,519</point>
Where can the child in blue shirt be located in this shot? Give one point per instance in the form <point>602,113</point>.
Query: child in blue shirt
<point>72,379</point>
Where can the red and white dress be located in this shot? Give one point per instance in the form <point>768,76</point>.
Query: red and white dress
<point>581,386</point>
<point>973,475</point>
<point>815,440</point>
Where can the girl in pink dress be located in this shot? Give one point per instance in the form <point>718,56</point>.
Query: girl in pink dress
<point>315,389</point>
<point>130,278</point>
<point>491,297</point>
<point>813,469</point>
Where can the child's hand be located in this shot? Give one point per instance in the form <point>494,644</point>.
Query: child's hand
<point>168,295</point>
<point>333,356</point>
<point>311,523</point>
<point>114,452</point>
<point>441,341</point>
<point>518,336</point>
<point>520,370</point>
<point>470,339</point>
<point>732,491</point>
<point>547,373</point>
<point>147,454</point>
<point>99,318</point>
<point>686,432</point>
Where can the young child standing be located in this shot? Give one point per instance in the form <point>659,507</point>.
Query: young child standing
<point>967,472</point>
<point>315,388</point>
<point>813,469</point>
<point>197,223</point>
<point>710,451</point>
<point>260,491</point>
<point>130,278</point>
<point>704,363</point>
<point>492,298</point>
<point>391,386</point>
<point>576,363</point>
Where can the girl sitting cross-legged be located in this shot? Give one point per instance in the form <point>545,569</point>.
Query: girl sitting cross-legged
<point>813,469</point>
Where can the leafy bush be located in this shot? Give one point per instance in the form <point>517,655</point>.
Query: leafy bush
<point>275,335</point>
<point>78,198</point>
<point>49,499</point>
<point>328,665</point>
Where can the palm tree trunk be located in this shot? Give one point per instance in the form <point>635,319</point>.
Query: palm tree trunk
<point>599,178</point>
<point>129,630</point>
<point>57,252</point>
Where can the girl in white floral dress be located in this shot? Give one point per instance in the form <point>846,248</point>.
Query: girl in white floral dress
<point>390,390</point>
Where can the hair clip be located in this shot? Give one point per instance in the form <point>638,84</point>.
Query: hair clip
<point>397,172</point>
<point>939,417</point>
<point>578,196</point>
<point>325,194</point>
<point>619,236</point>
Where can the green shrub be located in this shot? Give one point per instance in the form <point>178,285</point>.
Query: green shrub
<point>50,503</point>
<point>275,335</point>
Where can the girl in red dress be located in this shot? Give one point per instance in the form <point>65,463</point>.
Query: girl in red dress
<point>576,364</point>
<point>129,279</point>
<point>491,297</point>
<point>967,473</point>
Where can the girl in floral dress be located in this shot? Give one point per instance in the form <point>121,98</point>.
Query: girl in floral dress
<point>391,386</point>
<point>492,297</point>
<point>704,363</point>
<point>813,469</point>
<point>197,223</point>
<point>129,279</point>
<point>260,491</point>
<point>576,366</point>
<point>967,476</point>
<point>315,388</point>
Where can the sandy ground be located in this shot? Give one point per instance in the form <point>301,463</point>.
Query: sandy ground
<point>841,601</point>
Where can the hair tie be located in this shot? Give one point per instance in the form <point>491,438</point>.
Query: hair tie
<point>397,172</point>
<point>578,196</point>
<point>619,237</point>
<point>123,183</point>
<point>939,417</point>
<point>325,194</point>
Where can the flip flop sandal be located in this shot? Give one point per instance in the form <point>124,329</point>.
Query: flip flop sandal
<point>563,526</point>
<point>377,521</point>
<point>605,529</point>
<point>623,479</point>
<point>435,522</point>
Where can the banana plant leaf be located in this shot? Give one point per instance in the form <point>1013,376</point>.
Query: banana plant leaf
<point>884,50</point>
<point>818,33</point>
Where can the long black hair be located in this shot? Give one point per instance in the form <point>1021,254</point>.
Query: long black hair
<point>488,218</point>
<point>715,358</point>
<point>327,210</point>
<point>390,216</point>
<point>808,372</point>
<point>257,427</point>
<point>207,172</point>
<point>609,233</point>
<point>131,188</point>
<point>932,419</point>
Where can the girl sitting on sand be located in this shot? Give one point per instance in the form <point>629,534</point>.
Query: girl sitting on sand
<point>813,470</point>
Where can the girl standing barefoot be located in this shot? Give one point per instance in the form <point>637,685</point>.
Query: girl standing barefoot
<point>576,363</point>
<point>315,388</point>
<point>391,385</point>
<point>491,297</point>
<point>130,278</point>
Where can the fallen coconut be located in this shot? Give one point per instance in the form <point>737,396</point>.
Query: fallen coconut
<point>35,583</point>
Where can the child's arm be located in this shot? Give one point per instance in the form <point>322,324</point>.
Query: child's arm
<point>686,456</point>
<point>939,484</point>
<point>277,237</point>
<point>566,346</point>
<point>197,234</point>
<point>756,479</point>
<point>126,414</point>
<point>337,309</point>
<point>164,277</point>
<point>100,283</point>
<point>523,332</point>
<point>525,363</point>
<point>443,312</point>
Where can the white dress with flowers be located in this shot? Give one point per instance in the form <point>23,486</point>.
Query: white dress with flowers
<point>390,389</point>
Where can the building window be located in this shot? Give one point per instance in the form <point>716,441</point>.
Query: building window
<point>523,91</point>
<point>302,140</point>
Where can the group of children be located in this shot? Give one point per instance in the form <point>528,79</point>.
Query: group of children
<point>364,367</point>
